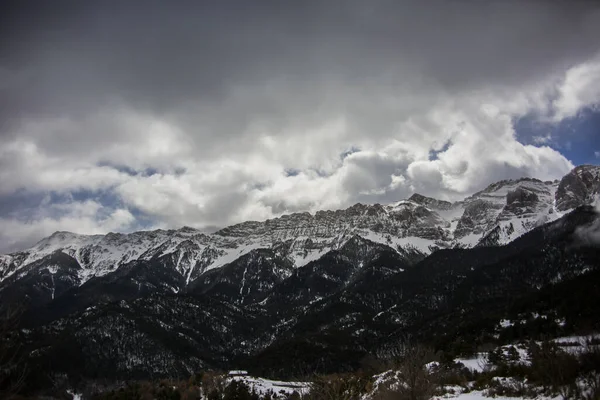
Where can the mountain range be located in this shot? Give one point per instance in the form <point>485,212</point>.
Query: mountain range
<point>312,292</point>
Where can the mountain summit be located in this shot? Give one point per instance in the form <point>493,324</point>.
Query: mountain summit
<point>496,215</point>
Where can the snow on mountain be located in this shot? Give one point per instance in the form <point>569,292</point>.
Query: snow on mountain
<point>514,207</point>
<point>578,187</point>
<point>496,215</point>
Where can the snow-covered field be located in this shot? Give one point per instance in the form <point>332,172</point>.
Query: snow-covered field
<point>480,394</point>
<point>279,388</point>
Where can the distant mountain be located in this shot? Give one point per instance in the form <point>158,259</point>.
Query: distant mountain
<point>496,215</point>
<point>311,292</point>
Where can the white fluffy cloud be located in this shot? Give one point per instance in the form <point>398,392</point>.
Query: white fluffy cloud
<point>85,217</point>
<point>579,89</point>
<point>472,136</point>
<point>290,122</point>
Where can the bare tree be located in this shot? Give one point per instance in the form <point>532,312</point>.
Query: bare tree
<point>414,382</point>
<point>338,387</point>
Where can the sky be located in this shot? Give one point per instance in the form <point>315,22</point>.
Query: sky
<point>120,116</point>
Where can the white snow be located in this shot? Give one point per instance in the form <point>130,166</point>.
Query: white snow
<point>471,239</point>
<point>53,288</point>
<point>281,389</point>
<point>478,363</point>
<point>243,280</point>
<point>506,323</point>
<point>577,344</point>
<point>76,396</point>
<point>237,372</point>
<point>300,259</point>
<point>421,244</point>
<point>481,395</point>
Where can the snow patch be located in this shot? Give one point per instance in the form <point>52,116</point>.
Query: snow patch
<point>281,389</point>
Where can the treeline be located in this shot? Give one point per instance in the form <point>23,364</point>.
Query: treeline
<point>565,370</point>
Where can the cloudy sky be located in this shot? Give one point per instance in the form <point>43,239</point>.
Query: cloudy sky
<point>118,116</point>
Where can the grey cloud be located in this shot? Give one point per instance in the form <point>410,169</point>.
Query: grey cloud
<point>222,98</point>
<point>215,68</point>
<point>369,174</point>
<point>161,55</point>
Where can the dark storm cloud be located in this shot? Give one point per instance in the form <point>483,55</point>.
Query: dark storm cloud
<point>65,56</point>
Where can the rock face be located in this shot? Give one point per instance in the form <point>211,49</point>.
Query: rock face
<point>419,225</point>
<point>430,202</point>
<point>476,218</point>
<point>578,187</point>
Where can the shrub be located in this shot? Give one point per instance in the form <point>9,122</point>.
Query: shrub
<point>591,383</point>
<point>589,358</point>
<point>338,387</point>
<point>415,382</point>
<point>453,376</point>
<point>551,366</point>
<point>510,387</point>
<point>238,390</point>
<point>213,385</point>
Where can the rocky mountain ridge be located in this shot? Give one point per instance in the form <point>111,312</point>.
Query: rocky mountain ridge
<point>496,215</point>
<point>311,292</point>
<point>260,313</point>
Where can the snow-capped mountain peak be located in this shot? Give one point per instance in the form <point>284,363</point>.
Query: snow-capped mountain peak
<point>498,214</point>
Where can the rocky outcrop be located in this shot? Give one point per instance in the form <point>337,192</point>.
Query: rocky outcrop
<point>578,187</point>
<point>430,202</point>
<point>477,218</point>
